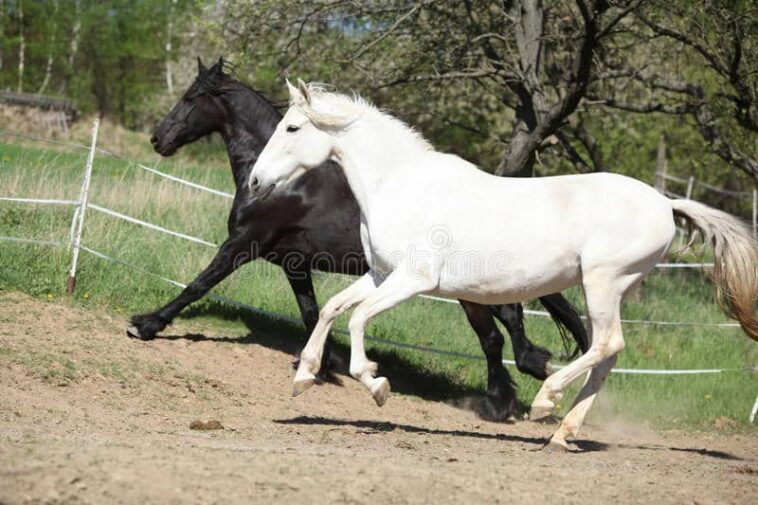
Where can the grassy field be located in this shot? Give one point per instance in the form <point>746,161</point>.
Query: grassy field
<point>34,170</point>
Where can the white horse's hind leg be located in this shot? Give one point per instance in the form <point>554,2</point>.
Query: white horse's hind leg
<point>310,357</point>
<point>398,287</point>
<point>603,296</point>
<point>570,425</point>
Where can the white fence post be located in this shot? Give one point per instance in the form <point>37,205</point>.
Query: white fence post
<point>74,220</point>
<point>690,184</point>
<point>77,226</point>
<point>661,165</point>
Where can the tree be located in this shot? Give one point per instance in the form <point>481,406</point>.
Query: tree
<point>534,58</point>
<point>52,34</point>
<point>76,28</point>
<point>2,32</point>
<point>21,45</point>
<point>108,55</point>
<point>516,86</point>
<point>709,73</point>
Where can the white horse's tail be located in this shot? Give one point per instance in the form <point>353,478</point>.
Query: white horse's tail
<point>735,271</point>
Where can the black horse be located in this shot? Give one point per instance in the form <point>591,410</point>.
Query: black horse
<point>313,224</point>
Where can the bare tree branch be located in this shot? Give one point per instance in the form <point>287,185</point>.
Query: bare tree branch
<point>633,6</point>
<point>721,146</point>
<point>686,40</point>
<point>389,30</point>
<point>447,76</point>
<point>572,154</point>
<point>642,108</point>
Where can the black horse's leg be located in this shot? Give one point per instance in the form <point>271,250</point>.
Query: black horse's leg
<point>301,282</point>
<point>500,399</point>
<point>232,254</point>
<point>530,358</point>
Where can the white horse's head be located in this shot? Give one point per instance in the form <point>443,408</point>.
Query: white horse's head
<point>301,141</point>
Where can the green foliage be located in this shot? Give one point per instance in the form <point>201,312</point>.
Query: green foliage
<point>422,63</point>
<point>108,55</point>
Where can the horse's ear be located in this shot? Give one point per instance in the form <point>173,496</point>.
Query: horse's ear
<point>294,92</point>
<point>219,65</point>
<point>200,67</point>
<point>303,88</point>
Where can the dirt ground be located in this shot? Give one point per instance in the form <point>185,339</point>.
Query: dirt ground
<point>90,416</point>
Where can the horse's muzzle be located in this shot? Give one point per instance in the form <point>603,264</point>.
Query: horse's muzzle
<point>164,150</point>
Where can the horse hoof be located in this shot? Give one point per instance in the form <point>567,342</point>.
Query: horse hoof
<point>541,410</point>
<point>133,332</point>
<point>536,362</point>
<point>380,390</point>
<point>303,380</point>
<point>555,446</point>
<point>301,385</point>
<point>145,327</point>
<point>496,408</point>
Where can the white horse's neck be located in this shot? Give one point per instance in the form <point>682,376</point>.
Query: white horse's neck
<point>372,149</point>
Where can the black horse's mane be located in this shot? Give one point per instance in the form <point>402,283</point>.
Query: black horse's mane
<point>217,83</point>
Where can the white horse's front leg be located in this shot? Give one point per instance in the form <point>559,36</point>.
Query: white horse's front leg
<point>310,357</point>
<point>398,287</point>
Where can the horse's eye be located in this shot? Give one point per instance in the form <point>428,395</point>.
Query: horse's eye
<point>292,128</point>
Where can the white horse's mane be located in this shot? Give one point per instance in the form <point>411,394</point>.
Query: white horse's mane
<point>335,110</point>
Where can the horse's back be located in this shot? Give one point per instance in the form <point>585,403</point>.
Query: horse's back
<point>604,218</point>
<point>539,233</point>
<point>577,201</point>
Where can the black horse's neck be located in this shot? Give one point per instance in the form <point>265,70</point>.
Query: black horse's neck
<point>251,122</point>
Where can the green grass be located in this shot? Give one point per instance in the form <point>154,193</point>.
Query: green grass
<point>50,367</point>
<point>30,171</point>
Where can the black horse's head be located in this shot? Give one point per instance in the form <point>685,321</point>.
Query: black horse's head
<point>198,113</point>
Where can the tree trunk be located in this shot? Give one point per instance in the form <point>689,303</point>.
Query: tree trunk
<point>519,159</point>
<point>51,49</point>
<point>21,46</point>
<point>169,34</point>
<point>74,45</point>
<point>535,119</point>
<point>123,70</point>
<point>2,31</point>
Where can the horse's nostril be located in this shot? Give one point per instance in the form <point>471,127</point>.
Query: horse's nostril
<point>255,182</point>
<point>154,140</point>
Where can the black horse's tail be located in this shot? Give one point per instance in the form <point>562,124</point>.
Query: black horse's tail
<point>567,319</point>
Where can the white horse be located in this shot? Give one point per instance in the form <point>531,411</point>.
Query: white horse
<point>433,223</point>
